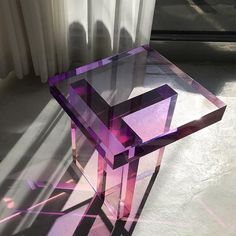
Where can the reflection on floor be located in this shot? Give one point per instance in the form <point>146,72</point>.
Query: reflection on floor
<point>193,193</point>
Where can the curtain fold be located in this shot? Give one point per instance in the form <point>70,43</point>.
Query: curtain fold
<point>48,36</point>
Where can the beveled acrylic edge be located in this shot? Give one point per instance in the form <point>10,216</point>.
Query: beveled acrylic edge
<point>91,66</point>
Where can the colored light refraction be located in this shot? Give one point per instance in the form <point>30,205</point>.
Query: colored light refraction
<point>129,106</point>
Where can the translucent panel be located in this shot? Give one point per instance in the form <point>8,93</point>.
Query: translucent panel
<point>120,102</point>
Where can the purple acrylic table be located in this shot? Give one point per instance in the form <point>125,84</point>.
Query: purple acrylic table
<point>130,106</point>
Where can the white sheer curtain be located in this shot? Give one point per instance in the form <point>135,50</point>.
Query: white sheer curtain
<point>48,36</point>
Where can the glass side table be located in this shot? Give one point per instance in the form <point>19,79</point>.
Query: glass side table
<point>130,106</point>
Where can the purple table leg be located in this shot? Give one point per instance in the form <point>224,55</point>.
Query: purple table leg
<point>142,117</point>
<point>116,186</point>
<point>128,185</point>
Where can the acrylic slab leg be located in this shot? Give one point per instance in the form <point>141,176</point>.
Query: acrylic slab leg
<point>117,186</point>
<point>128,182</point>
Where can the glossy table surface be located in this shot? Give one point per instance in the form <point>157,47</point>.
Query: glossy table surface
<point>121,102</point>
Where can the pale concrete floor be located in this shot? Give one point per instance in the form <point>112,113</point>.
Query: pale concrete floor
<point>194,193</point>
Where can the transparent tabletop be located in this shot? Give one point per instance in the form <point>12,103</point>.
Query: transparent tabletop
<point>134,103</point>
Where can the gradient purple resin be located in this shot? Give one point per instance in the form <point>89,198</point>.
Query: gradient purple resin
<point>132,126</point>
